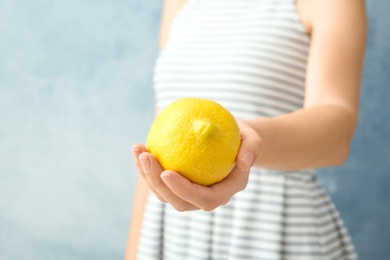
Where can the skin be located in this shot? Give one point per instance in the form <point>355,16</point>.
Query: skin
<point>319,134</point>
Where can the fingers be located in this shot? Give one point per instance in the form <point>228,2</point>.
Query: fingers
<point>194,194</point>
<point>149,168</point>
<point>183,195</point>
<point>153,171</point>
<point>236,181</point>
<point>137,149</point>
<point>251,146</point>
<point>206,198</point>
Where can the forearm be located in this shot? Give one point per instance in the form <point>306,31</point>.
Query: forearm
<point>308,138</point>
<point>136,220</point>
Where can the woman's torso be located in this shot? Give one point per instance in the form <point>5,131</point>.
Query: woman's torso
<point>250,56</point>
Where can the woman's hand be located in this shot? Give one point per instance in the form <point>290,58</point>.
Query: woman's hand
<point>183,195</point>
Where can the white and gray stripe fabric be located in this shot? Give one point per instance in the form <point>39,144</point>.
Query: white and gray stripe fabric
<point>250,56</point>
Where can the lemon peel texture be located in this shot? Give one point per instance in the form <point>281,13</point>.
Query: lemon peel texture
<point>197,138</point>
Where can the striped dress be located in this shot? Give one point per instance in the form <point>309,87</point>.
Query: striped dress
<point>250,56</point>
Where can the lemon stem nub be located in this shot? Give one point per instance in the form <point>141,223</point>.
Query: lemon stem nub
<point>204,129</point>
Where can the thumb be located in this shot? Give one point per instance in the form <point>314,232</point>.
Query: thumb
<point>245,161</point>
<point>251,146</point>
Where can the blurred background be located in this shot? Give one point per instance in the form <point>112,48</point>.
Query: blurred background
<point>76,92</point>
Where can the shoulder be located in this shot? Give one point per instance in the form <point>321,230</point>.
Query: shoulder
<point>169,12</point>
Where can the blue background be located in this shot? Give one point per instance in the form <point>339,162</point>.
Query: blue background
<point>76,92</point>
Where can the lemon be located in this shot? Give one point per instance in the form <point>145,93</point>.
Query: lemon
<point>197,138</point>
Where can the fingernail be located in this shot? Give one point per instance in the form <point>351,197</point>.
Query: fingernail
<point>145,162</point>
<point>167,178</point>
<point>136,152</point>
<point>248,159</point>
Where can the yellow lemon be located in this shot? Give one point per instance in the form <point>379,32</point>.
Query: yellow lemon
<point>197,138</point>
